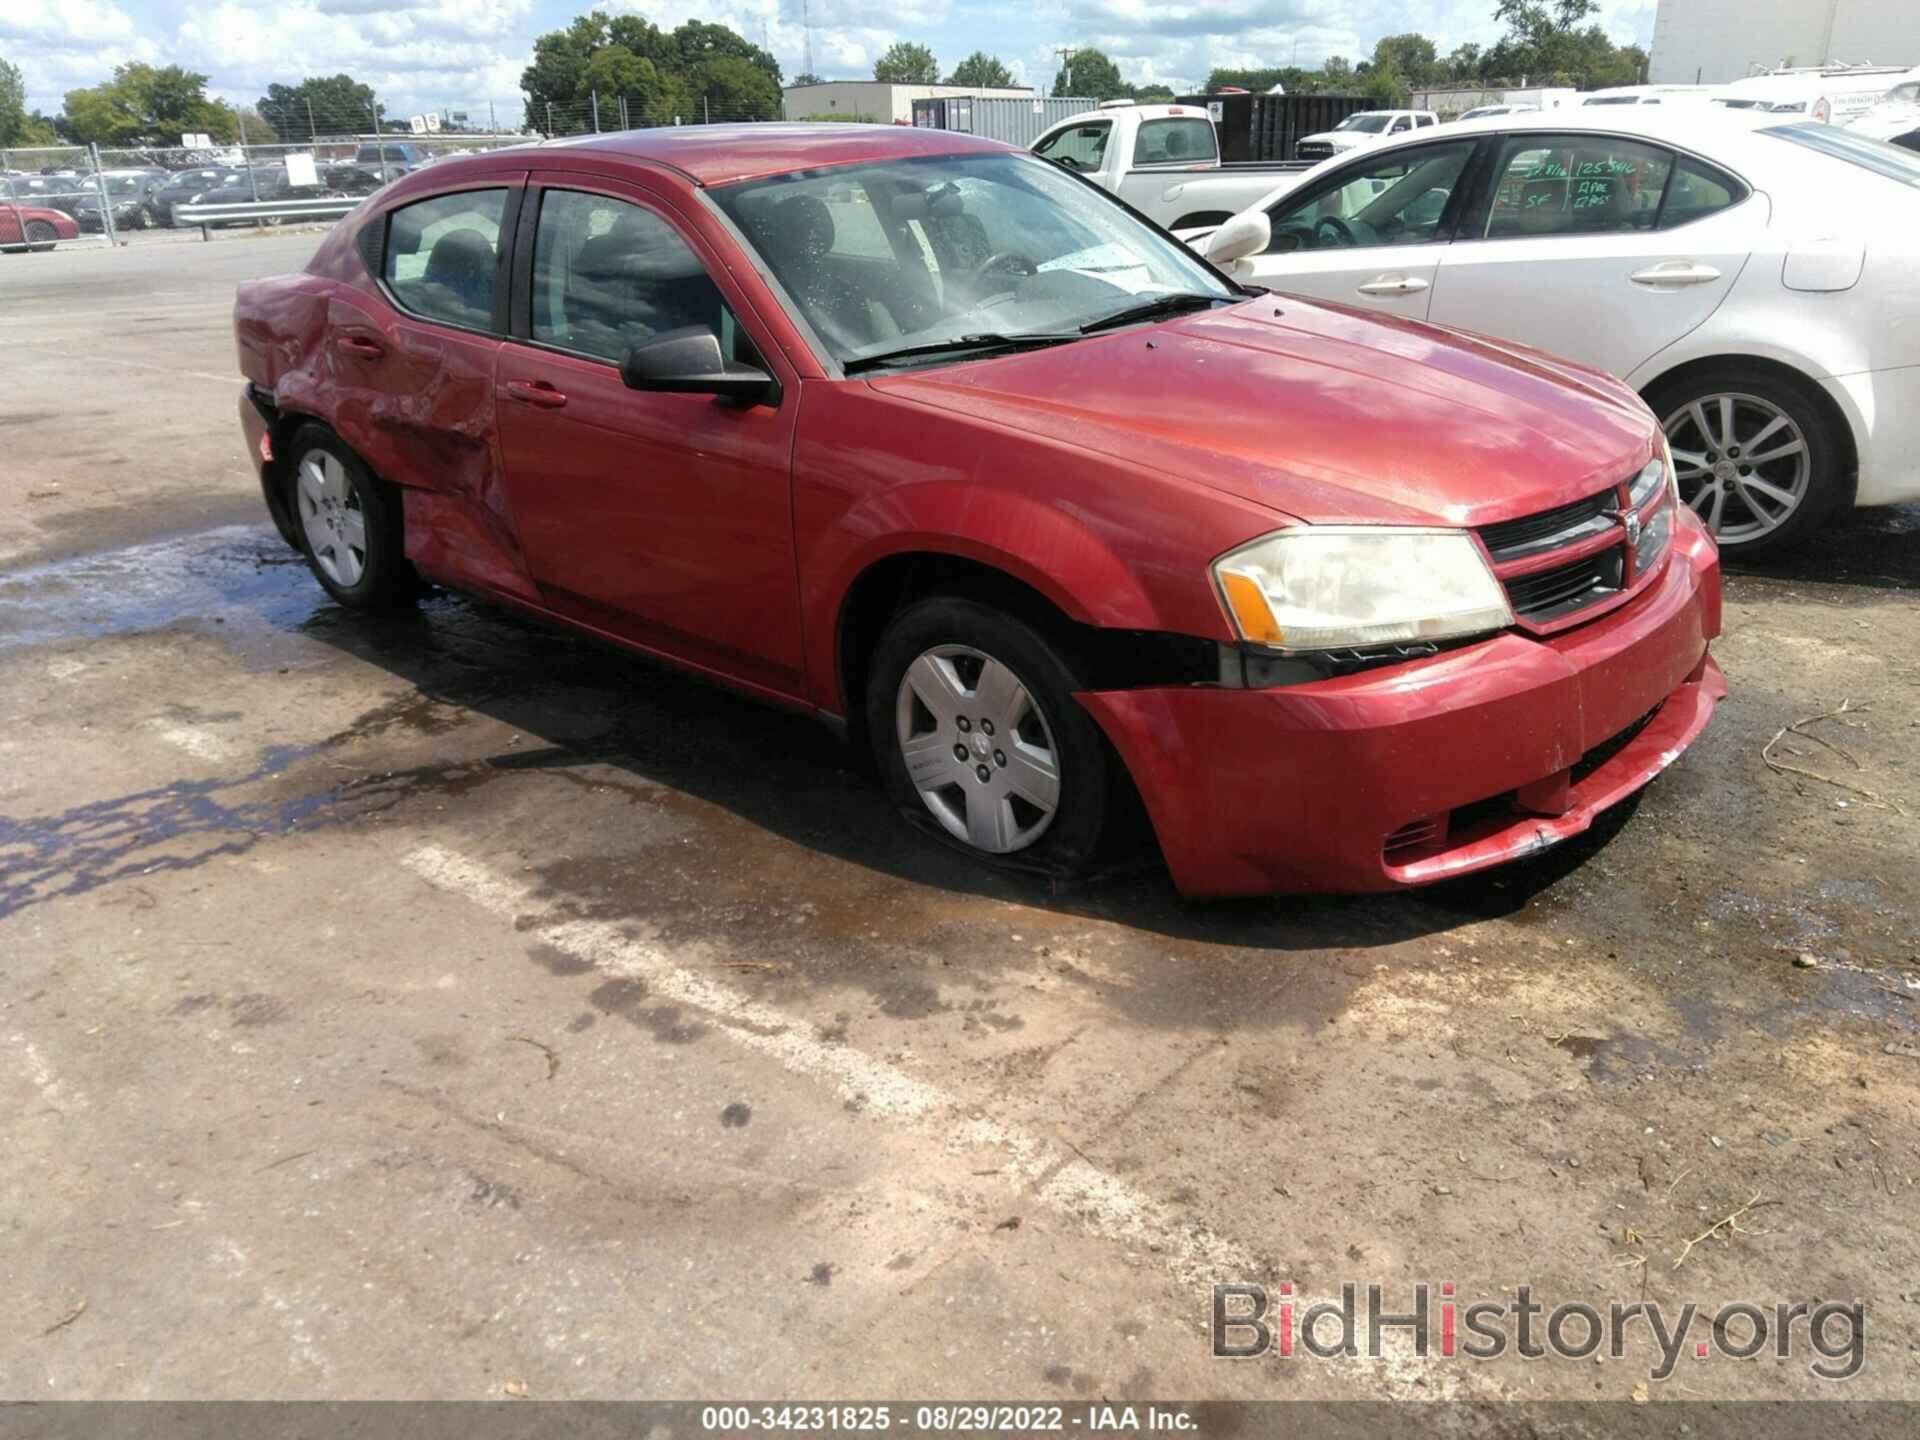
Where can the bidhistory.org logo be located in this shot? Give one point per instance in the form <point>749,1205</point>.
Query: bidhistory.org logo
<point>1248,1323</point>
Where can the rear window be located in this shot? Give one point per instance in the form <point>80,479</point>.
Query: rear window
<point>1174,142</point>
<point>1854,148</point>
<point>443,256</point>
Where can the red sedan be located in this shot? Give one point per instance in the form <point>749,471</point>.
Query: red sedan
<point>34,226</point>
<point>928,438</point>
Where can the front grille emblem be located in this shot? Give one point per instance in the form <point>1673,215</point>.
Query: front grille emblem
<point>1629,521</point>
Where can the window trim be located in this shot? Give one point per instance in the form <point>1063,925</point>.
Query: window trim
<point>520,305</point>
<point>1443,232</point>
<point>1473,229</point>
<point>515,187</point>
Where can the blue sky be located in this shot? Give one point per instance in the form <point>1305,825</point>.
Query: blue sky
<point>430,54</point>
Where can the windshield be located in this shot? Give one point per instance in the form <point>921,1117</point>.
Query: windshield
<point>1854,148</point>
<point>911,252</point>
<point>1614,100</point>
<point>123,185</point>
<point>1902,94</point>
<point>1366,121</point>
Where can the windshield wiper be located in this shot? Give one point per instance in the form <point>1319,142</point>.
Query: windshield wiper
<point>1152,309</point>
<point>992,340</point>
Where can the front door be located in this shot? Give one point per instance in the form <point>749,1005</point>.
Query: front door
<point>1371,233</point>
<point>659,518</point>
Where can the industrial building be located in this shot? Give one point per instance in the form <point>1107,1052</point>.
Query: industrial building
<point>1712,41</point>
<point>878,100</point>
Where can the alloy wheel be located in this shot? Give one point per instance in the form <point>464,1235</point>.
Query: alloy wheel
<point>1743,463</point>
<point>332,518</point>
<point>977,749</point>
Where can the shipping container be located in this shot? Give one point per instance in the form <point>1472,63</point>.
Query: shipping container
<point>1266,127</point>
<point>1018,121</point>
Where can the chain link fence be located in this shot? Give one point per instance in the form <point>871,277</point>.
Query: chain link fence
<point>68,195</point>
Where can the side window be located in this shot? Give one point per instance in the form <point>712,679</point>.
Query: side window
<point>1399,126</point>
<point>1174,142</point>
<point>443,256</point>
<point>1395,200</point>
<point>1698,189</point>
<point>608,274</point>
<point>1576,185</point>
<point>1425,120</point>
<point>1078,147</point>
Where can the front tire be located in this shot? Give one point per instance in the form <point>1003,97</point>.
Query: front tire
<point>975,728</point>
<point>1758,458</point>
<point>41,235</point>
<point>349,523</point>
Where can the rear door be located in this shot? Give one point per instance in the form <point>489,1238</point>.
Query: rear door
<point>1372,232</point>
<point>1604,249</point>
<point>663,519</point>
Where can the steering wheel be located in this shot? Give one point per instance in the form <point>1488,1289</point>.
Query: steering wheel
<point>1011,261</point>
<point>1338,229</point>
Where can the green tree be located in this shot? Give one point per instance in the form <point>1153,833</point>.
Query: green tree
<point>17,126</point>
<point>729,87</point>
<point>1091,73</point>
<point>1154,94</point>
<point>696,42</point>
<point>559,69</point>
<point>1411,57</point>
<point>615,73</point>
<point>1337,75</point>
<point>981,69</point>
<point>907,64</point>
<point>807,77</point>
<point>144,104</point>
<point>318,105</point>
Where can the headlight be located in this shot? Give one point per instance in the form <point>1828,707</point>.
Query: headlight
<point>1338,587</point>
<point>1650,478</point>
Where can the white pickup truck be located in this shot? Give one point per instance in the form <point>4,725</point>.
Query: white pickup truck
<point>1164,160</point>
<point>1368,127</point>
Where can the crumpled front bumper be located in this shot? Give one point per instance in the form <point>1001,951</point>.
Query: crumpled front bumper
<point>1430,769</point>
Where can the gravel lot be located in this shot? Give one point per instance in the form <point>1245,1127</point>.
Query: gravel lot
<point>434,1007</point>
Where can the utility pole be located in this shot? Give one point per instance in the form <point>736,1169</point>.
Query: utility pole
<point>549,119</point>
<point>596,111</point>
<point>493,120</point>
<point>706,111</point>
<point>1066,53</point>
<point>312,133</point>
<point>806,25</point>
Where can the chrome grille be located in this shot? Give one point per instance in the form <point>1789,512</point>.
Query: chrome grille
<point>1549,529</point>
<point>1549,594</point>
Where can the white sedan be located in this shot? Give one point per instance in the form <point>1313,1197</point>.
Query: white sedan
<point>1758,282</point>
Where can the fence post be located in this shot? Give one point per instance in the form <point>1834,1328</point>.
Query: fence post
<point>596,111</point>
<point>100,184</point>
<point>549,119</point>
<point>706,111</point>
<point>253,180</point>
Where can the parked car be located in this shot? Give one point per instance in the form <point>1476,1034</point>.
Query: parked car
<point>184,187</point>
<point>1487,112</point>
<point>34,227</point>
<point>1164,160</point>
<point>130,194</point>
<point>62,192</point>
<point>268,184</point>
<point>374,165</point>
<point>1006,485</point>
<point>1751,277</point>
<point>1359,130</point>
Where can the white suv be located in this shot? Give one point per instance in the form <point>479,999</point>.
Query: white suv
<point>1361,129</point>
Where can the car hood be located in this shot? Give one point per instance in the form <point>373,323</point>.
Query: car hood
<point>1319,412</point>
<point>1339,137</point>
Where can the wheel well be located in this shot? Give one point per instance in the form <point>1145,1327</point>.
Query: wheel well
<point>1786,375</point>
<point>1201,217</point>
<point>1102,658</point>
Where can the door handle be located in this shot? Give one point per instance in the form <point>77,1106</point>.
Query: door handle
<point>365,346</point>
<point>1394,285</point>
<point>535,392</point>
<point>1671,274</point>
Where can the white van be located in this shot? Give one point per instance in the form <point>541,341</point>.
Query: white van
<point>1833,95</point>
<point>1649,95</point>
<point>1895,116</point>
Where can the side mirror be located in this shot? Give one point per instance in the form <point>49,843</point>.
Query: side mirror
<point>688,361</point>
<point>1245,234</point>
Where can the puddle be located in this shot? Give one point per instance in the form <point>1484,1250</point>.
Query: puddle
<point>239,582</point>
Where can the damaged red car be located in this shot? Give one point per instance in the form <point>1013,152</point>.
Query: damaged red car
<point>933,440</point>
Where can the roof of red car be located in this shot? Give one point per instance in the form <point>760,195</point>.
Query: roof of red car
<point>719,154</point>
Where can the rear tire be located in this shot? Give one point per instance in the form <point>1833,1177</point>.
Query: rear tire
<point>1717,421</point>
<point>974,727</point>
<point>41,235</point>
<point>349,523</point>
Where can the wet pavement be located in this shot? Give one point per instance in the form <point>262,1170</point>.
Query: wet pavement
<point>437,1004</point>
